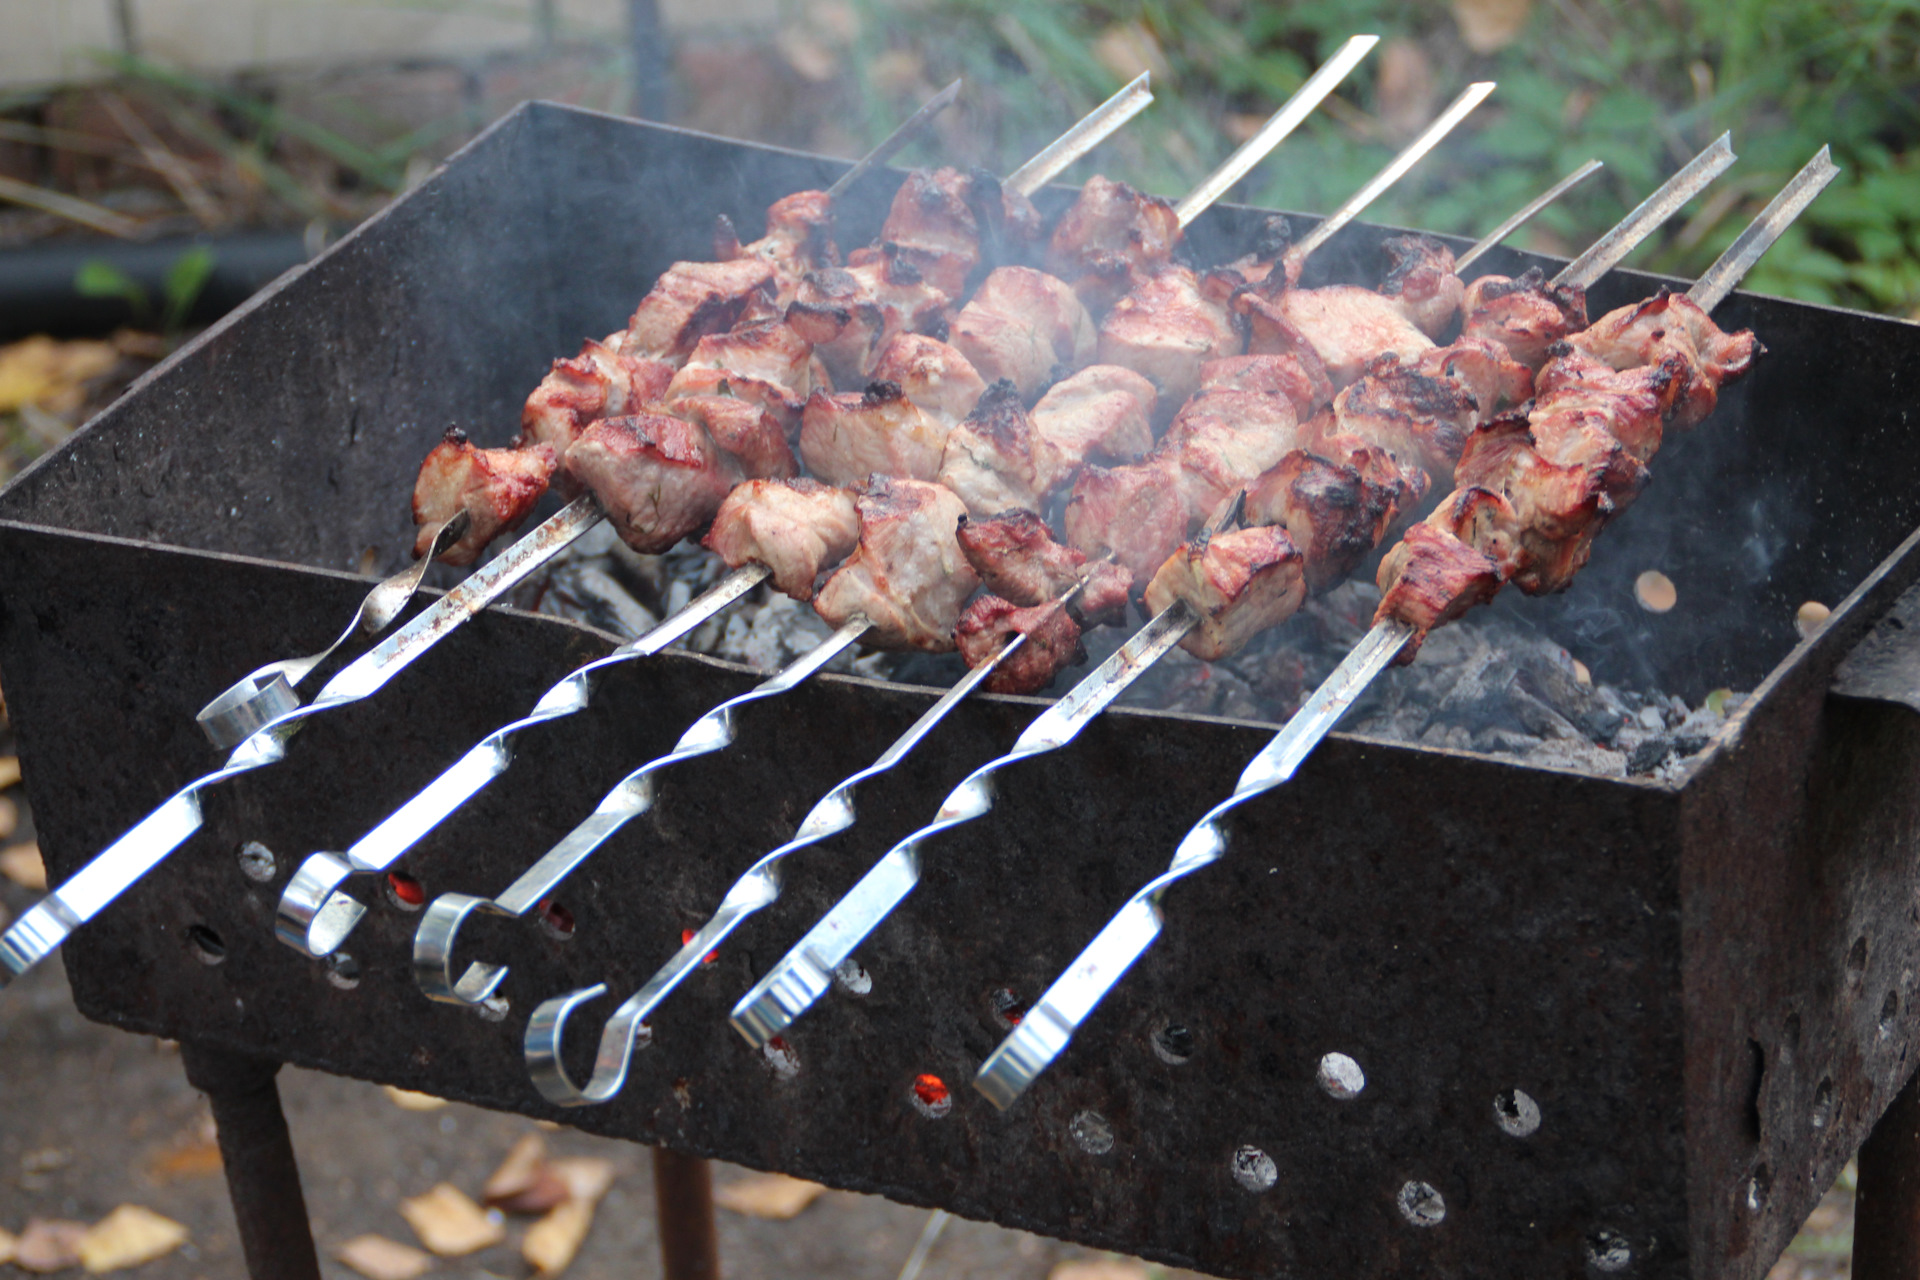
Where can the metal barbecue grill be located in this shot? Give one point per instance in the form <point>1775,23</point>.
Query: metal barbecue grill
<point>1606,1026</point>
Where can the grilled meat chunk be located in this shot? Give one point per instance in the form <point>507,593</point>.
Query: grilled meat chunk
<point>597,383</point>
<point>1299,376</point>
<point>496,487</point>
<point>847,437</point>
<point>1423,283</point>
<point>1523,314</point>
<point>1669,325</point>
<point>1053,642</point>
<point>692,300</point>
<point>1222,439</point>
<point>799,239</point>
<point>864,305</point>
<point>1333,514</point>
<point>944,222</point>
<point>1016,557</point>
<point>796,527</point>
<point>748,432</point>
<point>1170,326</point>
<point>1350,327</point>
<point>1431,577</point>
<point>907,575</point>
<point>766,363</point>
<point>1423,421</point>
<point>1112,239</point>
<point>1026,326</point>
<point>992,459</point>
<point>932,374</point>
<point>1103,413</point>
<point>1496,381</point>
<point>658,478</point>
<point>1238,584</point>
<point>1136,513</point>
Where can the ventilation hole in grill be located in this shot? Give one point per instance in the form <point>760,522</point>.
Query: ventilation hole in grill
<point>206,944</point>
<point>1822,1104</point>
<point>1091,1133</point>
<point>1759,1187</point>
<point>1007,1008</point>
<point>404,892</point>
<point>1608,1251</point>
<point>343,971</point>
<point>556,920</point>
<point>852,979</point>
<point>780,1056</point>
<point>1254,1169</point>
<point>1173,1044</point>
<point>1889,1010</point>
<point>686,936</point>
<point>1516,1113</point>
<point>1756,1089</point>
<point>1421,1204</point>
<point>1341,1076</point>
<point>256,862</point>
<point>493,1009</point>
<point>930,1096</point>
<point>1857,959</point>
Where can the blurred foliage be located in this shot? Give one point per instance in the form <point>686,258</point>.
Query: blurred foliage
<point>180,288</point>
<point>1640,84</point>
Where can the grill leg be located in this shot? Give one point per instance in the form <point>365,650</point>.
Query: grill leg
<point>683,1196</point>
<point>262,1178</point>
<point>1886,1208</point>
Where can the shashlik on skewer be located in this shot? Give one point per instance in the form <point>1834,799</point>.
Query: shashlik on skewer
<point>1645,366</point>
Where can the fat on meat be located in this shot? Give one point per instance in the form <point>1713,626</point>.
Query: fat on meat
<point>845,438</point>
<point>796,527</point>
<point>496,487</point>
<point>1238,584</point>
<point>658,478</point>
<point>1052,642</point>
<point>907,575</point>
<point>1017,558</point>
<point>1170,326</point>
<point>1026,326</point>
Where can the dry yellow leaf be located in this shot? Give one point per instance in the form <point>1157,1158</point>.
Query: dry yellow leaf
<point>1128,48</point>
<point>22,865</point>
<point>49,1244</point>
<point>196,1157</point>
<point>1100,1269</point>
<point>408,1100</point>
<point>525,1182</point>
<point>451,1224</point>
<point>768,1195</point>
<point>127,1237</point>
<point>378,1258</point>
<point>551,1243</point>
<point>1491,25</point>
<point>49,374</point>
<point>587,1177</point>
<point>9,817</point>
<point>9,771</point>
<point>7,1243</point>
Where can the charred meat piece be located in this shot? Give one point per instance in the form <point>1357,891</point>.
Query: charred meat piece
<point>1423,283</point>
<point>1222,439</point>
<point>1665,326</point>
<point>753,436</point>
<point>1238,584</point>
<point>1171,325</point>
<point>692,300</point>
<point>796,527</point>
<point>944,222</point>
<point>907,575</point>
<point>1431,577</point>
<point>1136,513</point>
<point>1026,326</point>
<point>1523,314</point>
<point>992,458</point>
<point>1421,420</point>
<point>1299,376</point>
<point>1331,512</point>
<point>597,383</point>
<point>1112,239</point>
<point>1053,642</point>
<point>1350,327</point>
<point>799,239</point>
<point>497,487</point>
<point>863,305</point>
<point>1016,557</point>
<point>932,374</point>
<point>658,478</point>
<point>1102,414</point>
<point>766,363</point>
<point>847,437</point>
<point>1496,381</point>
<point>1631,406</point>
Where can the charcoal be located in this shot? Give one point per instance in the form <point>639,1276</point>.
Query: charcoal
<point>1649,755</point>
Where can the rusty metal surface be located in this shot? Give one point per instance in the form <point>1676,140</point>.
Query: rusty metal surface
<point>1665,971</point>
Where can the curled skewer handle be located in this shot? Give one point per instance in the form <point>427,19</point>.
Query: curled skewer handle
<point>1047,1027</point>
<point>116,868</point>
<point>632,796</point>
<point>804,973</point>
<point>268,693</point>
<point>315,920</point>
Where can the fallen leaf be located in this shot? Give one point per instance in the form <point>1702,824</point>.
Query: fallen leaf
<point>9,817</point>
<point>451,1224</point>
<point>1128,48</point>
<point>767,1195</point>
<point>525,1182</point>
<point>408,1100</point>
<point>1491,25</point>
<point>1100,1269</point>
<point>128,1237</point>
<point>49,1244</point>
<point>587,1177</point>
<point>9,771</point>
<point>551,1243</point>
<point>22,865</point>
<point>378,1258</point>
<point>195,1156</point>
<point>1404,89</point>
<point>7,1243</point>
<point>52,375</point>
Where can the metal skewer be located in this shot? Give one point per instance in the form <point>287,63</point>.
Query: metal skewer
<point>909,129</point>
<point>112,871</point>
<point>1528,212</point>
<point>1082,138</point>
<point>759,887</point>
<point>1048,1026</point>
<point>802,975</point>
<point>630,797</point>
<point>269,691</point>
<point>1606,252</point>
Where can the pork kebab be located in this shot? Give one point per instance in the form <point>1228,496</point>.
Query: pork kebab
<point>1536,488</point>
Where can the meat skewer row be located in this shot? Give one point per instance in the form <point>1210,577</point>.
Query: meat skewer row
<point>660,477</point>
<point>801,976</point>
<point>1655,333</point>
<point>901,587</point>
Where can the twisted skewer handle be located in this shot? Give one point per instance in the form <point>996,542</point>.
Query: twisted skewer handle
<point>114,870</point>
<point>315,920</point>
<point>632,796</point>
<point>804,973</point>
<point>1050,1024</point>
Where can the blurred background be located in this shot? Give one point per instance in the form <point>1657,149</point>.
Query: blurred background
<point>161,159</point>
